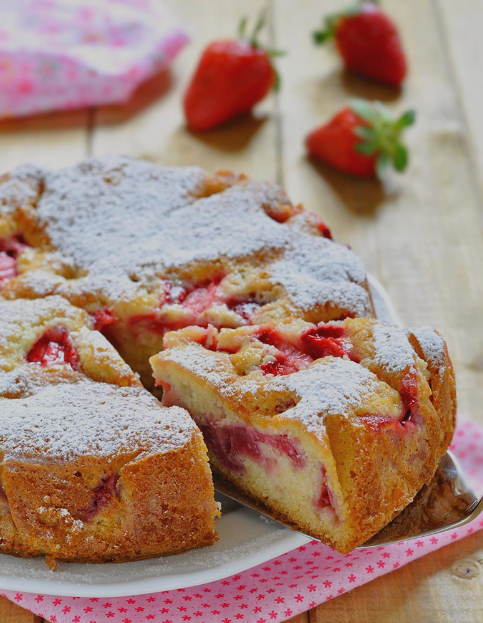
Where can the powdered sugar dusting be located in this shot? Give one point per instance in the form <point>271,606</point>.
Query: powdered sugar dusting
<point>54,412</point>
<point>122,224</point>
<point>432,346</point>
<point>393,352</point>
<point>107,208</point>
<point>102,227</point>
<point>204,364</point>
<point>231,224</point>
<point>21,188</point>
<point>332,386</point>
<point>316,271</point>
<point>69,420</point>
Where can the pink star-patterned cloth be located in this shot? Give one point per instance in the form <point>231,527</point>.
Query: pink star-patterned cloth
<point>65,54</point>
<point>276,590</point>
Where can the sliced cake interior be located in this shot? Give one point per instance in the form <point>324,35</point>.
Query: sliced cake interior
<point>92,467</point>
<point>334,426</point>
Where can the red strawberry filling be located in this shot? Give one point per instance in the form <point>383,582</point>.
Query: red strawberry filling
<point>288,359</point>
<point>194,300</point>
<point>13,245</point>
<point>101,496</point>
<point>200,299</point>
<point>54,347</point>
<point>103,318</point>
<point>327,340</point>
<point>382,423</point>
<point>321,226</point>
<point>10,249</point>
<point>8,268</point>
<point>173,294</point>
<point>231,443</point>
<point>409,390</point>
<point>409,416</point>
<point>318,342</point>
<point>281,214</point>
<point>409,395</point>
<point>326,497</point>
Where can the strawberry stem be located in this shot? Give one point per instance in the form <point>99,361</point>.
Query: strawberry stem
<point>253,40</point>
<point>256,31</point>
<point>242,26</point>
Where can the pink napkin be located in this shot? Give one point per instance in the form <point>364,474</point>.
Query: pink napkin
<point>62,54</point>
<point>276,590</point>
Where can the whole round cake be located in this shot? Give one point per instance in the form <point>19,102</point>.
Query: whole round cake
<point>270,344</point>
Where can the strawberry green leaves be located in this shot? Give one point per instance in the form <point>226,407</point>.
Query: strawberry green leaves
<point>381,134</point>
<point>331,22</point>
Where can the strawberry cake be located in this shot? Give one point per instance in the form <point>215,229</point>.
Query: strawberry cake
<point>92,467</point>
<point>334,426</point>
<point>305,401</point>
<point>147,249</point>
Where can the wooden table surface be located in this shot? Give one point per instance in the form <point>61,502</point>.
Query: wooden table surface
<point>421,234</point>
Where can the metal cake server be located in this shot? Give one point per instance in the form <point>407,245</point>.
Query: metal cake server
<point>446,503</point>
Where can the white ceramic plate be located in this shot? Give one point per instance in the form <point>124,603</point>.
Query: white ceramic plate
<point>246,539</point>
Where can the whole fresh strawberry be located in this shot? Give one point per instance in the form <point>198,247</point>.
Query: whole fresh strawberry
<point>368,41</point>
<point>362,139</point>
<point>232,76</point>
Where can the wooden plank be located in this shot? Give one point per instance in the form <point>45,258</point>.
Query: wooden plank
<point>444,587</point>
<point>158,130</point>
<point>57,139</point>
<point>11,613</point>
<point>461,24</point>
<point>420,234</point>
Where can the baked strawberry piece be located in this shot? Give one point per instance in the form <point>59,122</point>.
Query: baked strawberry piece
<point>334,426</point>
<point>11,247</point>
<point>93,468</point>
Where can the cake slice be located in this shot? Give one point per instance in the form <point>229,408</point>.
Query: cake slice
<point>335,427</point>
<point>92,467</point>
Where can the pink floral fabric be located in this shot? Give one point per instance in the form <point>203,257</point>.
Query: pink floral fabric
<point>274,591</point>
<point>64,54</point>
